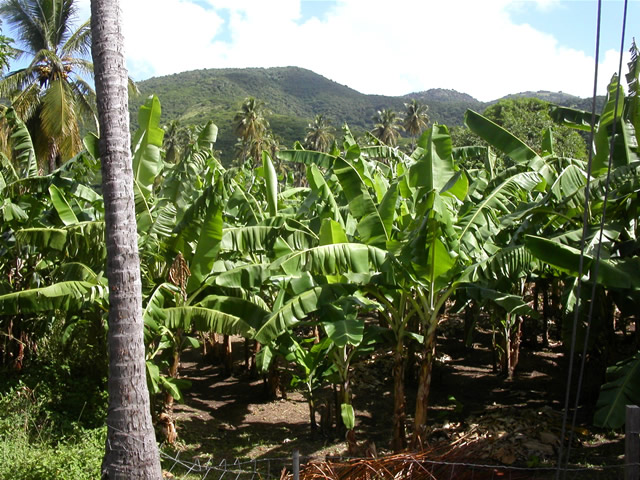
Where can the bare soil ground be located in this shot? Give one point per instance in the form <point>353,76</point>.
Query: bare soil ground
<point>474,411</point>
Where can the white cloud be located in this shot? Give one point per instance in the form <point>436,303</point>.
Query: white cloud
<point>370,45</point>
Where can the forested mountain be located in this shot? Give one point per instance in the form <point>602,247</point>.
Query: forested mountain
<point>293,96</point>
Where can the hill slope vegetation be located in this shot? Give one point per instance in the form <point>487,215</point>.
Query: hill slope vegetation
<point>293,97</point>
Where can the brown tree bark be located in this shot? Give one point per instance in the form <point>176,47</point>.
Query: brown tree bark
<point>131,451</point>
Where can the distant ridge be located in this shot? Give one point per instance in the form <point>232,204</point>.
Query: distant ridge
<point>293,97</point>
<point>442,95</point>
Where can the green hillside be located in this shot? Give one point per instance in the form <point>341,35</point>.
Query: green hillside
<point>293,97</point>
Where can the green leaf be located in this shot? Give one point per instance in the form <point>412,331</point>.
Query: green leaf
<point>621,389</point>
<point>68,296</point>
<point>25,154</point>
<point>207,320</point>
<point>348,416</point>
<point>208,245</point>
<point>372,226</point>
<point>570,117</point>
<point>331,232</point>
<point>434,168</point>
<point>625,143</point>
<point>153,377</point>
<point>264,358</point>
<point>153,312</point>
<point>562,257</point>
<point>344,331</point>
<point>512,304</point>
<point>174,386</point>
<point>297,308</point>
<point>91,143</point>
<point>547,141</point>
<point>8,173</point>
<point>332,259</point>
<point>320,187</point>
<point>253,314</point>
<point>478,223</point>
<point>612,273</point>
<point>43,238</point>
<point>271,182</point>
<point>208,136</point>
<point>307,157</point>
<point>62,206</point>
<point>147,142</point>
<point>245,277</point>
<point>499,138</point>
<point>369,227</point>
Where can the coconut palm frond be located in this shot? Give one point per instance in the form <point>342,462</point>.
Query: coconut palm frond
<point>79,43</point>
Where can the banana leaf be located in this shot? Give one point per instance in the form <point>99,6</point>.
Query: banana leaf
<point>612,273</point>
<point>332,259</point>
<point>307,157</point>
<point>570,117</point>
<point>207,320</point>
<point>271,183</point>
<point>43,238</point>
<point>208,136</point>
<point>320,187</point>
<point>296,309</point>
<point>499,138</point>
<point>60,203</point>
<point>25,154</point>
<point>208,245</point>
<point>68,296</point>
<point>621,389</point>
<point>147,142</point>
<point>245,277</point>
<point>374,225</point>
<point>434,168</point>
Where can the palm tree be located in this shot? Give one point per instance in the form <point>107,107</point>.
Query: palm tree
<point>131,451</point>
<point>319,135</point>
<point>50,94</point>
<point>387,127</point>
<point>415,118</point>
<point>177,139</point>
<point>250,125</point>
<point>7,52</point>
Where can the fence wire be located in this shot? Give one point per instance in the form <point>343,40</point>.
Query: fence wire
<point>396,468</point>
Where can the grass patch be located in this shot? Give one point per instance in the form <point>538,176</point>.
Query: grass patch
<point>34,445</point>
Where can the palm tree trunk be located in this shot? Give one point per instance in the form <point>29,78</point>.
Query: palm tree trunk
<point>131,451</point>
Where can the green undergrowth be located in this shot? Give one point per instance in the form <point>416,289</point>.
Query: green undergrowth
<point>38,444</point>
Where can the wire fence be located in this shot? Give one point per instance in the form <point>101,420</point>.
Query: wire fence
<point>396,467</point>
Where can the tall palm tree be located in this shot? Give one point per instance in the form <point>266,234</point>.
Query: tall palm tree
<point>319,135</point>
<point>7,51</point>
<point>387,127</point>
<point>131,451</point>
<point>177,139</point>
<point>51,93</point>
<point>415,118</point>
<point>250,125</point>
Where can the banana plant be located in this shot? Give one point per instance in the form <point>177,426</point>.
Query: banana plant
<point>346,332</point>
<point>609,255</point>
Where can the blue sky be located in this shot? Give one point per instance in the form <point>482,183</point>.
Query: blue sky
<point>573,23</point>
<point>487,48</point>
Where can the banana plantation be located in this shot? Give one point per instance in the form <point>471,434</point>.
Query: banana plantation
<point>315,260</point>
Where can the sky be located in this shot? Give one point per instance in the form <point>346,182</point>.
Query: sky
<point>486,48</point>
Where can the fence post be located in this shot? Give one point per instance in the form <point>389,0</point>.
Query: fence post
<point>296,465</point>
<point>632,443</point>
